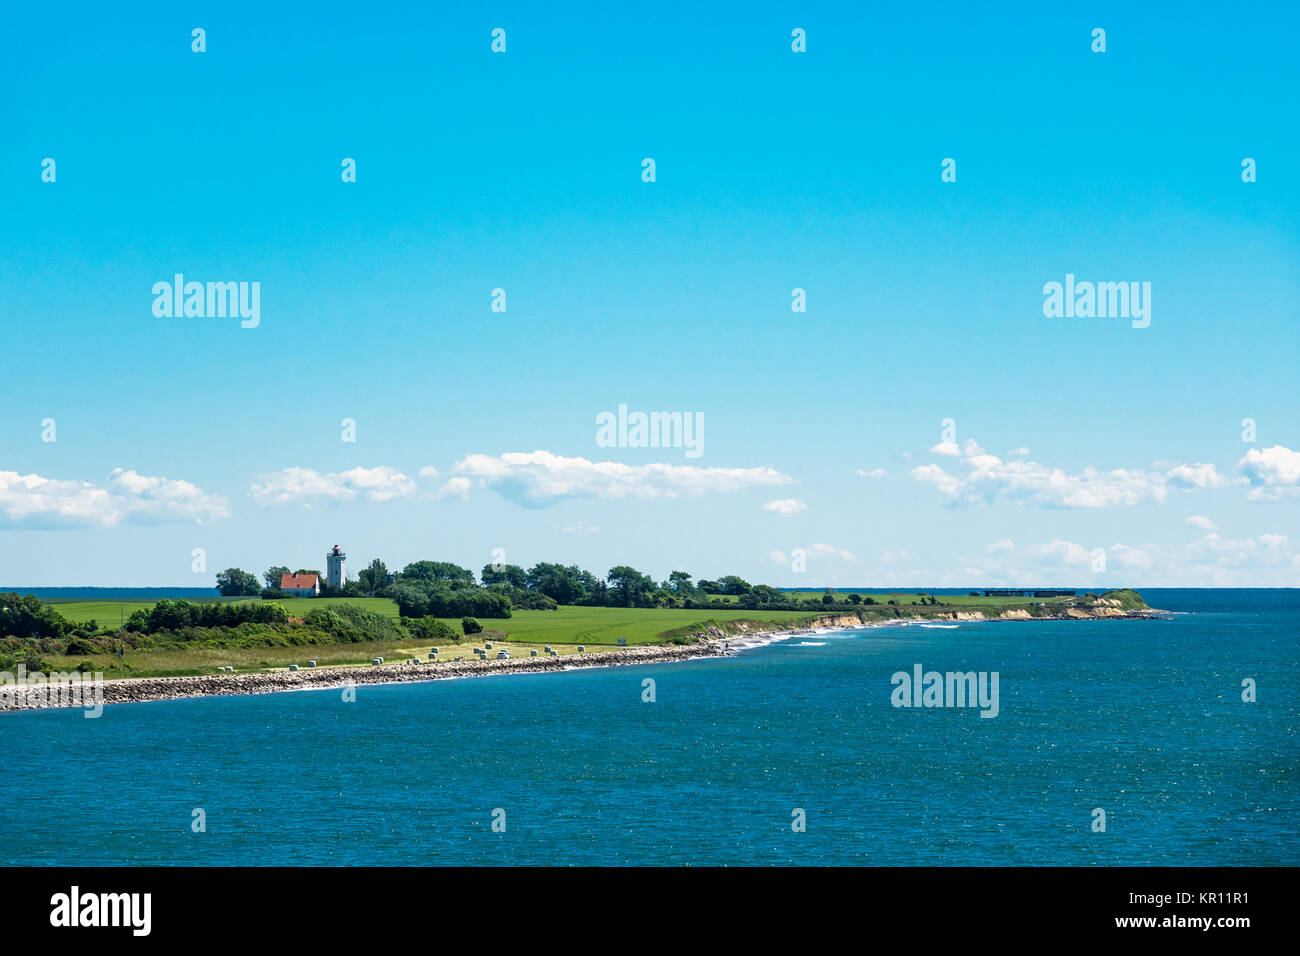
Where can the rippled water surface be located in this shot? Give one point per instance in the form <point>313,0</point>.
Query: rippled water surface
<point>1143,719</point>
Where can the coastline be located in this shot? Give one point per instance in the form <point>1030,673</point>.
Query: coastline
<point>714,642</point>
<point>141,689</point>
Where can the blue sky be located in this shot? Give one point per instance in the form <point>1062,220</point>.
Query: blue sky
<point>775,170</point>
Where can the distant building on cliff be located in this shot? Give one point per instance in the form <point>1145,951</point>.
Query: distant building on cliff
<point>335,568</point>
<point>300,585</point>
<point>1003,592</point>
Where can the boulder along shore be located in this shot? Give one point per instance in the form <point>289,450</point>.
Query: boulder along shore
<point>135,689</point>
<point>713,641</point>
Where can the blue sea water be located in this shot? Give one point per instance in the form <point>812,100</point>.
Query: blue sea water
<point>1144,719</point>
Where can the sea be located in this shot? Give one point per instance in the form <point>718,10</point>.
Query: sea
<point>1160,742</point>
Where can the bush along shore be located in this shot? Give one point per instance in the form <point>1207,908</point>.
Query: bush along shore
<point>708,639</point>
<point>136,689</point>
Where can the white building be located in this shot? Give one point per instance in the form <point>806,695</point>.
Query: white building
<point>335,567</point>
<point>300,585</point>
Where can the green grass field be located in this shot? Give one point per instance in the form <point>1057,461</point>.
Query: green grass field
<point>564,628</point>
<point>605,625</point>
<point>206,660</point>
<point>566,625</point>
<point>644,624</point>
<point>110,613</point>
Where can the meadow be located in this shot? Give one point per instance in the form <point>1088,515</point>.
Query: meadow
<point>596,620</point>
<point>564,628</point>
<point>112,613</point>
<point>155,662</point>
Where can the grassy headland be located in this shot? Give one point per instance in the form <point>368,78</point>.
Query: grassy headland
<point>184,638</point>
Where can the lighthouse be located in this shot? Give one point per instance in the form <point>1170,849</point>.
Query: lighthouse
<point>335,568</point>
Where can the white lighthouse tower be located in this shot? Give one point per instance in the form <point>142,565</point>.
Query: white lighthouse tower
<point>335,568</point>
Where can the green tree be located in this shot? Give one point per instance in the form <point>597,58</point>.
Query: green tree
<point>680,581</point>
<point>272,576</point>
<point>233,582</point>
<point>28,616</point>
<point>373,577</point>
<point>437,572</point>
<point>509,574</point>
<point>734,585</point>
<point>563,585</point>
<point>629,587</point>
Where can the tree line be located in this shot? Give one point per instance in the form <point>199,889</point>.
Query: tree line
<point>444,589</point>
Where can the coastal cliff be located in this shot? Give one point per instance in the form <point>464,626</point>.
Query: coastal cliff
<point>1111,605</point>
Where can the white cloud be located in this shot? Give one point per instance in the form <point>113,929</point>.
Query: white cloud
<point>873,473</point>
<point>1272,473</point>
<point>455,486</point>
<point>1059,552</point>
<point>1202,522</point>
<point>946,448</point>
<point>1122,556</point>
<point>1262,551</point>
<point>301,485</point>
<point>1195,476</point>
<point>1021,452</point>
<point>989,477</point>
<point>786,507</point>
<point>1001,546</point>
<point>537,479</point>
<point>582,528</point>
<point>32,501</point>
<point>428,471</point>
<point>829,551</point>
<point>815,552</point>
<point>1210,561</point>
<point>948,484</point>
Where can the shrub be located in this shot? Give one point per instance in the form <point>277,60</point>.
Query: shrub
<point>372,625</point>
<point>431,629</point>
<point>323,618</point>
<point>78,646</point>
<point>470,626</point>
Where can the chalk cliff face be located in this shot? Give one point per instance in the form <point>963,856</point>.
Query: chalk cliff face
<point>1100,608</point>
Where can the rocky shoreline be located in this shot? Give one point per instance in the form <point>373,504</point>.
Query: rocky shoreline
<point>137,689</point>
<point>713,641</point>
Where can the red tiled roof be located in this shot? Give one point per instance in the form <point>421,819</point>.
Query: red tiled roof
<point>293,581</point>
